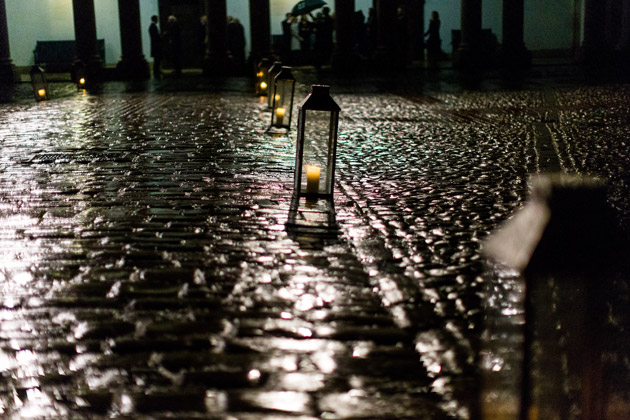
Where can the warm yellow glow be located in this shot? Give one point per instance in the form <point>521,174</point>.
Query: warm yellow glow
<point>263,85</point>
<point>259,74</point>
<point>41,93</point>
<point>280,113</point>
<point>277,97</point>
<point>312,179</point>
<point>82,81</point>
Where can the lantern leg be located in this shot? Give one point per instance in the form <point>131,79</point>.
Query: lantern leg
<point>310,213</point>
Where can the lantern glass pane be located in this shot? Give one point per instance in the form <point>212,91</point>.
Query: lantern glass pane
<point>272,87</point>
<point>318,152</point>
<point>282,106</point>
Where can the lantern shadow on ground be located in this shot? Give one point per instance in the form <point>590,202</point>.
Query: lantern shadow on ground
<point>312,221</point>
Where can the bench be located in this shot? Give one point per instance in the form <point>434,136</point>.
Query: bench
<point>58,56</point>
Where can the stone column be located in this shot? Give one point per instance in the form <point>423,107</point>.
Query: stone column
<point>415,28</point>
<point>468,55</point>
<point>85,36</point>
<point>217,59</point>
<point>132,64</point>
<point>513,51</point>
<point>6,64</point>
<point>624,39</point>
<point>386,33</point>
<point>594,45</point>
<point>260,29</point>
<point>344,56</point>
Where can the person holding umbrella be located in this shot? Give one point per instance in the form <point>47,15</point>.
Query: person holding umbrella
<point>306,6</point>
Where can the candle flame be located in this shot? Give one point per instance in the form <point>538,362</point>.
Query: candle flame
<point>41,92</point>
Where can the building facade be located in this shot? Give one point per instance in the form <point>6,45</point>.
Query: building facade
<point>552,28</point>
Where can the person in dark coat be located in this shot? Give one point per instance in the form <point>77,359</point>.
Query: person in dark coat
<point>372,27</point>
<point>324,26</point>
<point>236,43</point>
<point>286,37</point>
<point>306,29</point>
<point>434,43</point>
<point>202,39</point>
<point>156,46</point>
<point>174,37</point>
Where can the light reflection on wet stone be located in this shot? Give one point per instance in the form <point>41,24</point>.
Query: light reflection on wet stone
<point>148,270</point>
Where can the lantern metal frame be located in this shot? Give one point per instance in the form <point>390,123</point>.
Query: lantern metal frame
<point>39,83</point>
<point>262,75</point>
<point>283,94</point>
<point>307,181</point>
<point>271,76</point>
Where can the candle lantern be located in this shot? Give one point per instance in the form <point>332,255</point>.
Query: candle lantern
<point>273,72</point>
<point>318,118</point>
<point>39,83</point>
<point>282,108</point>
<point>262,74</point>
<point>79,76</point>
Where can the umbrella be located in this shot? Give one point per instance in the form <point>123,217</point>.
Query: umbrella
<point>305,6</point>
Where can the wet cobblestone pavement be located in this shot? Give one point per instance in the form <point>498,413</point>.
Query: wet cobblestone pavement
<point>147,269</point>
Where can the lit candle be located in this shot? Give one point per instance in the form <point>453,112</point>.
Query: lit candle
<point>277,97</point>
<point>82,81</point>
<point>259,74</point>
<point>41,93</point>
<point>280,113</point>
<point>263,86</point>
<point>312,179</point>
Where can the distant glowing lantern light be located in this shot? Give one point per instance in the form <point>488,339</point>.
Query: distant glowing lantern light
<point>318,120</point>
<point>271,76</point>
<point>262,72</point>
<point>80,74</point>
<point>282,105</point>
<point>39,83</point>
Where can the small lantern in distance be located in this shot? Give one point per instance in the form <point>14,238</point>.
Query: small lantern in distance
<point>282,108</point>
<point>80,74</point>
<point>39,83</point>
<point>262,83</point>
<point>318,119</point>
<point>273,72</point>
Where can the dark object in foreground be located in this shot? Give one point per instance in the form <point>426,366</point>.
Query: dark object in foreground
<point>566,243</point>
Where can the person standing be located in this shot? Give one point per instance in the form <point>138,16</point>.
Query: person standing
<point>296,41</point>
<point>286,37</point>
<point>156,46</point>
<point>324,35</point>
<point>236,43</point>
<point>305,29</point>
<point>434,43</point>
<point>174,37</point>
<point>202,40</point>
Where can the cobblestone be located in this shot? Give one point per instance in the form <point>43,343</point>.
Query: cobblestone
<point>148,268</point>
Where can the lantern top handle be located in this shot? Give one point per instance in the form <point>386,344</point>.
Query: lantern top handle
<point>265,62</point>
<point>285,74</point>
<point>319,99</point>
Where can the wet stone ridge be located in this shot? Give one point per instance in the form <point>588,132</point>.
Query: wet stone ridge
<point>147,268</point>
